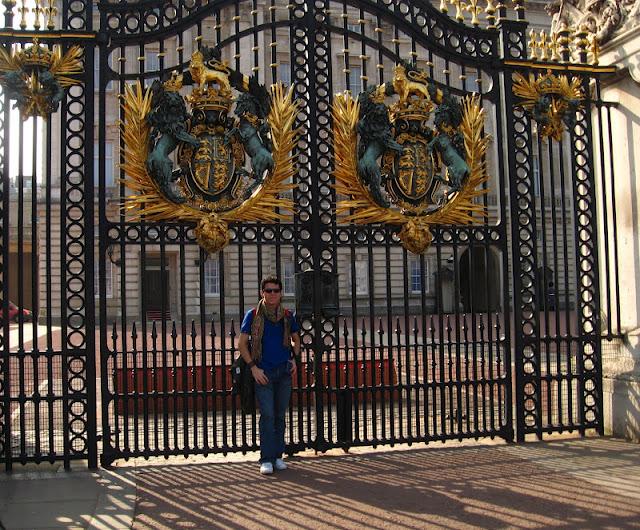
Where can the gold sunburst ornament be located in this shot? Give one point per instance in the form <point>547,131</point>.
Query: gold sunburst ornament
<point>395,169</point>
<point>231,166</point>
<point>551,100</point>
<point>36,76</point>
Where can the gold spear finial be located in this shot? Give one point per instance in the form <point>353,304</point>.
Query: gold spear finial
<point>51,12</point>
<point>490,10</point>
<point>473,8</point>
<point>37,11</point>
<point>553,46</point>
<point>543,46</point>
<point>23,10</point>
<point>594,49</point>
<point>459,5</point>
<point>533,45</point>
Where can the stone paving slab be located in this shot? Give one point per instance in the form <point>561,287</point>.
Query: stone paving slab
<point>566,483</point>
<point>65,499</point>
<point>537,485</point>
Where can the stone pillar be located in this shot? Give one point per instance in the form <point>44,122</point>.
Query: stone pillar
<point>621,357</point>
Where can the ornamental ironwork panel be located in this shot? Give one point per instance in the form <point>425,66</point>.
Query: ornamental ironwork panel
<point>486,324</point>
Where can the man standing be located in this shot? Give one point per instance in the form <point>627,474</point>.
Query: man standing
<point>271,354</point>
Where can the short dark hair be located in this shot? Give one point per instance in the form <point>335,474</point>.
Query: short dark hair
<point>270,279</point>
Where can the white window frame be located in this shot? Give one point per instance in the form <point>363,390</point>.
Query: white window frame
<point>362,272</point>
<point>414,268</point>
<point>535,169</point>
<point>96,73</point>
<point>288,277</point>
<point>151,64</point>
<point>284,72</point>
<point>355,79</point>
<point>214,277</point>
<point>354,27</point>
<point>108,276</point>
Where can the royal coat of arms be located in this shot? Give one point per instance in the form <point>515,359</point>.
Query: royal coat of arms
<point>397,165</point>
<point>37,76</point>
<point>229,165</point>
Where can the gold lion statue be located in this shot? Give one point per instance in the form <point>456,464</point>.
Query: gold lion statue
<point>205,76</point>
<point>404,86</point>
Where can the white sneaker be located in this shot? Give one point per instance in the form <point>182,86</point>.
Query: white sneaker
<point>266,468</point>
<point>280,464</point>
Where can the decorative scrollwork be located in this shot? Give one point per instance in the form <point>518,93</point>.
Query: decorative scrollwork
<point>211,186</point>
<point>397,169</point>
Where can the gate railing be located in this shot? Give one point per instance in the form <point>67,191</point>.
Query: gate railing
<point>441,367</point>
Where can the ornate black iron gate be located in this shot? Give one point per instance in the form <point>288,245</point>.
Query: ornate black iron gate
<point>421,347</point>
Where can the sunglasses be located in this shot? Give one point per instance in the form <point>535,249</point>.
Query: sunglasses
<point>271,290</point>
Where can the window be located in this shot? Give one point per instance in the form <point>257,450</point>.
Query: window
<point>535,167</point>
<point>284,73</point>
<point>96,73</point>
<point>362,277</point>
<point>108,276</point>
<point>288,276</point>
<point>415,275</point>
<point>108,164</point>
<point>355,82</point>
<point>212,276</point>
<point>356,28</point>
<point>151,65</point>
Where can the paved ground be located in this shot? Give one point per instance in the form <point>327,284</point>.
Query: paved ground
<point>566,483</point>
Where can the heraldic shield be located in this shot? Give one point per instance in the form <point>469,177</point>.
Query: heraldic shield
<point>234,154</point>
<point>398,165</point>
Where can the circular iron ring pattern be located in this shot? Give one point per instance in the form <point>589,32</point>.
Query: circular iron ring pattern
<point>523,211</point>
<point>75,273</point>
<point>586,250</point>
<point>418,18</point>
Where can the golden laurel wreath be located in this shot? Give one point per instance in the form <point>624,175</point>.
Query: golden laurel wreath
<point>361,208</point>
<point>551,100</point>
<point>265,204</point>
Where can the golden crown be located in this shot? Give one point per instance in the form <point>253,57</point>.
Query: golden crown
<point>36,55</point>
<point>210,99</point>
<point>174,83</point>
<point>414,109</point>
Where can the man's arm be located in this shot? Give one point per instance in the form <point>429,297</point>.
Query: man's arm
<point>295,340</point>
<point>258,373</point>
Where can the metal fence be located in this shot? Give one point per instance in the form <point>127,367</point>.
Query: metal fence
<point>494,331</point>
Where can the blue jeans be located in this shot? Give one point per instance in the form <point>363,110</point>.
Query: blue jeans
<point>273,401</point>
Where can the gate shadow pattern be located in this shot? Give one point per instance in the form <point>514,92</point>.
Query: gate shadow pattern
<point>489,487</point>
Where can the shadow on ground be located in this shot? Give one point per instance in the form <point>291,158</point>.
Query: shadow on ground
<point>574,484</point>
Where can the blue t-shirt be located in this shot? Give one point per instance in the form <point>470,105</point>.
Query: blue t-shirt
<point>274,353</point>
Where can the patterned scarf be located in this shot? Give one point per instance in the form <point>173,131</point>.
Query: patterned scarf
<point>257,327</point>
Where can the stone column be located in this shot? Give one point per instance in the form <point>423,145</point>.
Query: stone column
<point>619,185</point>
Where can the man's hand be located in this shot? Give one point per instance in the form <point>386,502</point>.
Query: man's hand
<point>294,367</point>
<point>258,375</point>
